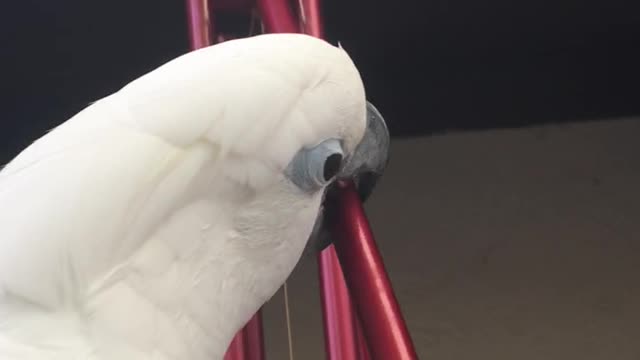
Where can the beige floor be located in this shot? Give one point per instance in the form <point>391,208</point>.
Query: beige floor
<point>514,244</point>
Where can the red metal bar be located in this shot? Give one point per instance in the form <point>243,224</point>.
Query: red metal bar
<point>200,27</point>
<point>363,348</point>
<point>311,18</point>
<point>340,331</point>
<point>382,322</point>
<point>277,16</point>
<point>238,348</point>
<point>248,344</point>
<point>255,337</point>
<point>340,325</point>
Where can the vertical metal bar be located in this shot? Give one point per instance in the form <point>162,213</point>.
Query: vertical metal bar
<point>311,18</point>
<point>375,302</point>
<point>238,348</point>
<point>248,344</point>
<point>340,332</point>
<point>363,348</point>
<point>277,16</point>
<point>200,26</point>
<point>255,337</point>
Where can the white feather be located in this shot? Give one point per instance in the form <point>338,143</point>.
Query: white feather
<point>155,222</point>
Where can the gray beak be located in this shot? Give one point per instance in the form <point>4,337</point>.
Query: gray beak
<point>370,158</point>
<point>364,168</point>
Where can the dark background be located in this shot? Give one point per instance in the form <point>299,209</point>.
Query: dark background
<point>500,244</point>
<point>429,66</point>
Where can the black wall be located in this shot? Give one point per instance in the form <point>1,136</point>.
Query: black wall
<point>428,65</point>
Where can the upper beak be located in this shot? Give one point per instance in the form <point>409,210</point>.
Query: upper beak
<point>364,168</point>
<point>370,157</point>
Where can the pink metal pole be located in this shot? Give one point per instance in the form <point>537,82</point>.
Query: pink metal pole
<point>277,16</point>
<point>255,337</point>
<point>200,28</point>
<point>340,325</point>
<point>248,344</point>
<point>363,348</point>
<point>311,18</point>
<point>238,348</point>
<point>340,330</point>
<point>383,326</point>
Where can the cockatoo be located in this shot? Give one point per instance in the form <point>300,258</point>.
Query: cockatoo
<point>155,222</point>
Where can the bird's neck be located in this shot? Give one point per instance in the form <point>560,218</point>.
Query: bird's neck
<point>182,294</point>
<point>154,310</point>
<point>191,309</point>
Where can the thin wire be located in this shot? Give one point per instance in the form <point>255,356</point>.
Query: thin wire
<point>286,308</point>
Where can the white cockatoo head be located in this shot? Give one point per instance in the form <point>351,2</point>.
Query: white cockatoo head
<point>170,211</point>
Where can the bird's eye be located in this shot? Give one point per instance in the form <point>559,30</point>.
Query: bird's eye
<point>332,166</point>
<point>314,167</point>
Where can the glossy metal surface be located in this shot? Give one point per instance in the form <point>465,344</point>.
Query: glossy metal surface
<point>248,344</point>
<point>255,338</point>
<point>311,18</point>
<point>277,16</point>
<point>363,348</point>
<point>200,27</point>
<point>238,348</point>
<point>382,322</point>
<point>383,333</point>
<point>341,336</point>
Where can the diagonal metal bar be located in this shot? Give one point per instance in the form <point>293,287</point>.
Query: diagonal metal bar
<point>383,325</point>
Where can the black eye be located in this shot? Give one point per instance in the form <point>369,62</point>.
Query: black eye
<point>332,166</point>
<point>313,168</point>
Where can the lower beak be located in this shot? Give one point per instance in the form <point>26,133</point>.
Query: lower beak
<point>364,168</point>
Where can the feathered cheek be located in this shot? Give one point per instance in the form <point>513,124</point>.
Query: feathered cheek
<point>251,173</point>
